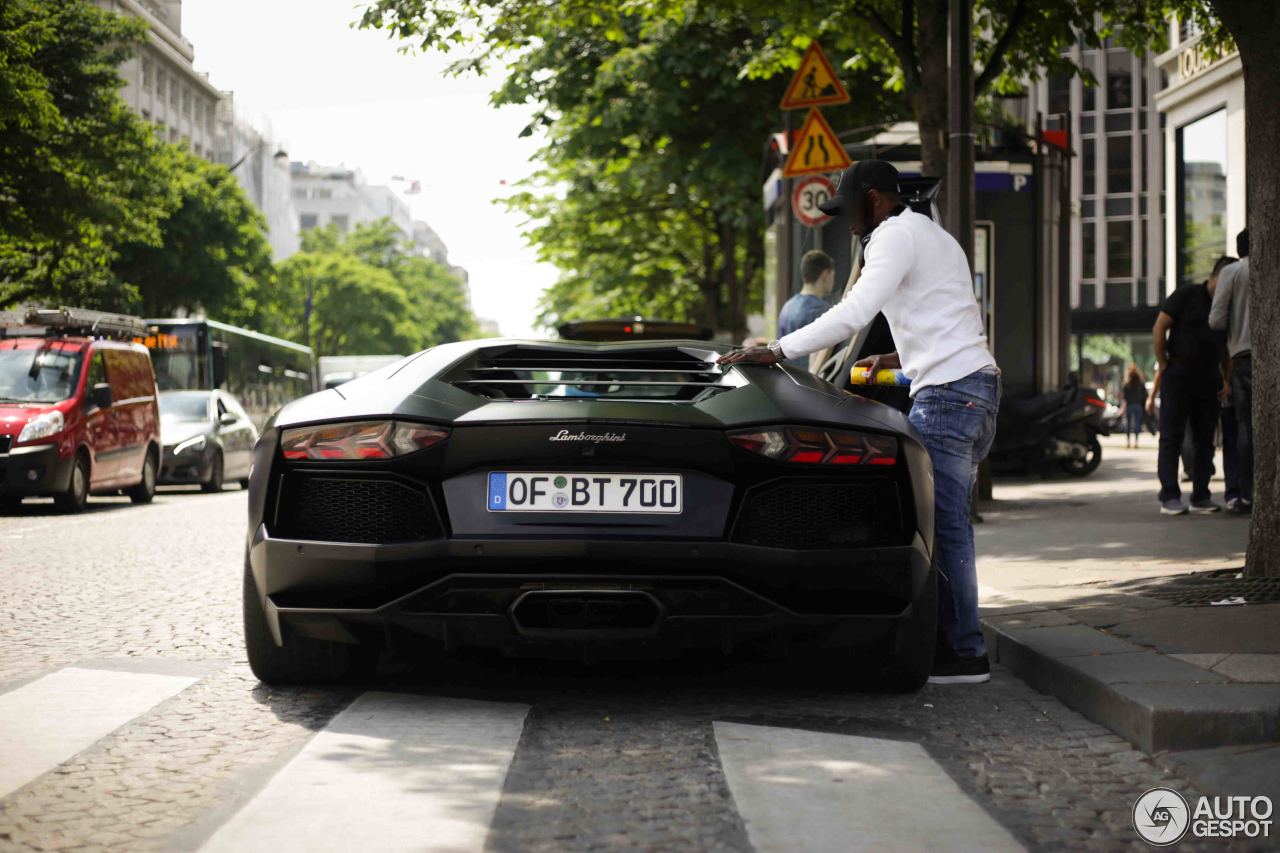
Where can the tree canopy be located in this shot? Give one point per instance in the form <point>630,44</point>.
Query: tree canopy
<point>370,293</point>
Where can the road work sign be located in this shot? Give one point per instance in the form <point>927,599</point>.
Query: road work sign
<point>816,150</point>
<point>815,83</point>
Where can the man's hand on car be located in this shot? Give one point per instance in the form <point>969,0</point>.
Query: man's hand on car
<point>754,355</point>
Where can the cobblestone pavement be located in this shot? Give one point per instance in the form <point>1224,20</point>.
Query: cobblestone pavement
<point>617,756</point>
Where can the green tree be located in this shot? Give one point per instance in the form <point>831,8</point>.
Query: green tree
<point>76,174</point>
<point>648,192</point>
<point>371,294</point>
<point>213,253</point>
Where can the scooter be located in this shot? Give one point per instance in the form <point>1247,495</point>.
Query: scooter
<point>1060,428</point>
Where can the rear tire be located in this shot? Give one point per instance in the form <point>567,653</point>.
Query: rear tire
<point>301,660</point>
<point>1086,466</point>
<point>910,659</point>
<point>214,483</point>
<point>146,488</point>
<point>77,493</point>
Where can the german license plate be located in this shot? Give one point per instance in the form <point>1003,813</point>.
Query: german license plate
<point>552,492</point>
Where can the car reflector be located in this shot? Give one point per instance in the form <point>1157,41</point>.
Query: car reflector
<point>808,446</point>
<point>358,440</point>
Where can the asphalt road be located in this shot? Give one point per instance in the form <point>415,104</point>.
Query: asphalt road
<point>129,720</point>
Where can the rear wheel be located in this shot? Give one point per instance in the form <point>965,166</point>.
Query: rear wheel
<point>214,483</point>
<point>910,658</point>
<point>10,506</point>
<point>146,488</point>
<point>77,493</point>
<point>1086,466</point>
<point>300,660</point>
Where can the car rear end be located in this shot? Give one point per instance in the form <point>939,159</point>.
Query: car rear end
<point>594,503</point>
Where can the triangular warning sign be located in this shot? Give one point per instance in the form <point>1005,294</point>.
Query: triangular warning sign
<point>816,150</point>
<point>815,83</point>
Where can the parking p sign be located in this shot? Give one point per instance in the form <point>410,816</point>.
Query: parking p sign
<point>807,195</point>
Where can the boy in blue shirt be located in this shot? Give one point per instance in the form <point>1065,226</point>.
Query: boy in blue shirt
<point>818,272</point>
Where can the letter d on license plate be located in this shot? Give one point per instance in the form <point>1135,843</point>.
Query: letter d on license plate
<point>577,492</point>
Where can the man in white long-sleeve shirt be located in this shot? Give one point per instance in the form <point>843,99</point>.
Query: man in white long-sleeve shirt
<point>918,276</point>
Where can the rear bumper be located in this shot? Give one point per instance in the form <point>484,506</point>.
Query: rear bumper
<point>471,592</point>
<point>34,470</point>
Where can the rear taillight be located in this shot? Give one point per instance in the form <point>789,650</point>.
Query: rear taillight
<point>804,446</point>
<point>1095,402</point>
<point>359,440</point>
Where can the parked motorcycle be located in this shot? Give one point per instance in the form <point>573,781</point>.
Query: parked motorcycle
<point>1060,428</point>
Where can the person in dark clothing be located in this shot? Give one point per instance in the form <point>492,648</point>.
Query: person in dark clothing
<point>1190,382</point>
<point>818,272</point>
<point>1135,399</point>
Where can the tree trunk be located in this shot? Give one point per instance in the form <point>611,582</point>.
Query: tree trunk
<point>1256,28</point>
<point>929,100</point>
<point>731,282</point>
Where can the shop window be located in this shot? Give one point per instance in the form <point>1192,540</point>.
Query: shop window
<point>1119,164</point>
<point>1119,248</point>
<point>1201,200</point>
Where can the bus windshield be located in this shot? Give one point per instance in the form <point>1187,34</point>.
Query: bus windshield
<point>178,355</point>
<point>38,375</point>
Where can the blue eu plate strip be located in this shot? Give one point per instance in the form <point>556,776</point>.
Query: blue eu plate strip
<point>497,491</point>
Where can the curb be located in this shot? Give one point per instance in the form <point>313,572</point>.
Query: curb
<point>1151,700</point>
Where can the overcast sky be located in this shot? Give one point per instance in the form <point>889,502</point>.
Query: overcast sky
<point>338,95</point>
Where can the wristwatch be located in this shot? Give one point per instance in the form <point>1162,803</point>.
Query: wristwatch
<point>775,347</point>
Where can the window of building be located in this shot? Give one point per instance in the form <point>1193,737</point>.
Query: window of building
<point>173,93</point>
<point>146,75</point>
<point>1119,294</point>
<point>307,220</point>
<point>1119,80</point>
<point>1201,200</point>
<point>162,85</point>
<point>1089,267</point>
<point>1143,168</point>
<point>1119,164</point>
<point>1059,93</point>
<point>1119,206</point>
<point>1087,295</point>
<point>1090,98</point>
<point>186,101</point>
<point>1119,248</point>
<point>1142,266</point>
<point>1187,28</point>
<point>340,221</point>
<point>1090,158</point>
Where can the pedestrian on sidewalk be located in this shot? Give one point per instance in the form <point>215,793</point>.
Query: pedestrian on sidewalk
<point>1229,429</point>
<point>1134,399</point>
<point>1190,379</point>
<point>918,275</point>
<point>1230,312</point>
<point>818,274</point>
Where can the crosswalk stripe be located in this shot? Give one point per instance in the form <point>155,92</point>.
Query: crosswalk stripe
<point>51,719</point>
<point>391,772</point>
<point>800,790</point>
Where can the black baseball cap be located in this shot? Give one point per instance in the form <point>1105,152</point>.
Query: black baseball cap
<point>856,180</point>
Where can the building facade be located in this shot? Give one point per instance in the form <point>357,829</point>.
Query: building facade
<point>261,167</point>
<point>1117,256</point>
<point>161,82</point>
<point>339,196</point>
<point>1202,105</point>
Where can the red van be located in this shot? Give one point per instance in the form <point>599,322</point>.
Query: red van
<point>78,416</point>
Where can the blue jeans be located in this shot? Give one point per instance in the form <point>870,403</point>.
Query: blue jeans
<point>958,423</point>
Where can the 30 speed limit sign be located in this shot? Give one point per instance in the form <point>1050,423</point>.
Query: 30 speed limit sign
<point>807,195</point>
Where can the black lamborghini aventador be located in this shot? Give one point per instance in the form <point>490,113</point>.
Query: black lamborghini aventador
<point>548,498</point>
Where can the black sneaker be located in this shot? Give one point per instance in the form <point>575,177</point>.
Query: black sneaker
<point>957,670</point>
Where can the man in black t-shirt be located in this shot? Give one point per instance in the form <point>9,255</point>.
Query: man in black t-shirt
<point>1190,384</point>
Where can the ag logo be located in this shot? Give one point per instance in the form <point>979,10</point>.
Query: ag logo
<point>1161,817</point>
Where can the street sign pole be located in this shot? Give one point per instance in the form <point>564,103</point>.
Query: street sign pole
<point>788,218</point>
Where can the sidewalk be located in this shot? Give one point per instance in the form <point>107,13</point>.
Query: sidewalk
<point>1136,620</point>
